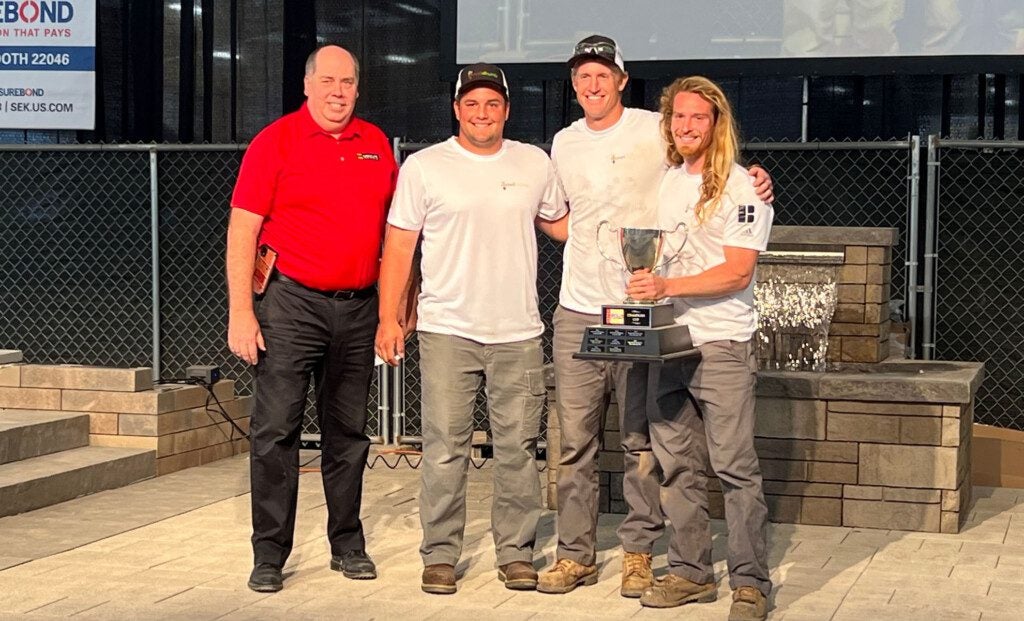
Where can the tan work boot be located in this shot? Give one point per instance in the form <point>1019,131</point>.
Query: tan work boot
<point>672,590</point>
<point>518,576</point>
<point>637,576</point>
<point>438,579</point>
<point>748,604</point>
<point>565,576</point>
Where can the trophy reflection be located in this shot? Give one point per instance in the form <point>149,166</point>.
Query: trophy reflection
<point>637,330</point>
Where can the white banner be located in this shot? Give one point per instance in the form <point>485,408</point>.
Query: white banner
<point>47,64</point>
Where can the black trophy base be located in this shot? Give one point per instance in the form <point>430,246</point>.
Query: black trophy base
<point>636,344</point>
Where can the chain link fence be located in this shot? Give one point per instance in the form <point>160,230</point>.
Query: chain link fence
<point>844,184</point>
<point>75,265</point>
<point>76,275</point>
<point>979,286</point>
<point>77,278</point>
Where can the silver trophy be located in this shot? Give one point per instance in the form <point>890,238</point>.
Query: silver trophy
<point>638,331</point>
<point>640,248</point>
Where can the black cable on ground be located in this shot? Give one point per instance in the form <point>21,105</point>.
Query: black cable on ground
<point>194,381</point>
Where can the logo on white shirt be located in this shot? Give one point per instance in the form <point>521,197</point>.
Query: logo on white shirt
<point>745,213</point>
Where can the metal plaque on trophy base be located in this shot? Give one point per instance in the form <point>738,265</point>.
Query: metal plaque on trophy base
<point>637,331</point>
<point>604,342</point>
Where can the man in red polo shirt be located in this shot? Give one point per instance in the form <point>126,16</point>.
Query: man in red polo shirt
<point>314,186</point>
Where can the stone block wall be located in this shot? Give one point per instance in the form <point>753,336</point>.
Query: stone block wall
<point>889,465</point>
<point>180,423</point>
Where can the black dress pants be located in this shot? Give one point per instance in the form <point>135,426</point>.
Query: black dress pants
<point>310,335</point>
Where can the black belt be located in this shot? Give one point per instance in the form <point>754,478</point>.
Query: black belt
<point>337,294</point>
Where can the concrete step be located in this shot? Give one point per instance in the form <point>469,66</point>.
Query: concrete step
<point>49,479</point>
<point>31,433</point>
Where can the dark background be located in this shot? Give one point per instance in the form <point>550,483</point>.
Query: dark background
<point>217,71</point>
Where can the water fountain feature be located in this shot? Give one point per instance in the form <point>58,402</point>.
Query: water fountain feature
<point>792,324</point>
<point>795,298</point>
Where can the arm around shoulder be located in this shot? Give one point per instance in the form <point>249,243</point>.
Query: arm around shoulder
<point>557,230</point>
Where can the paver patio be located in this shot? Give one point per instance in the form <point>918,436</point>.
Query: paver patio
<point>177,547</point>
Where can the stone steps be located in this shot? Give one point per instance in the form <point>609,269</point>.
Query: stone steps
<point>30,433</point>
<point>46,456</point>
<point>68,430</point>
<point>49,479</point>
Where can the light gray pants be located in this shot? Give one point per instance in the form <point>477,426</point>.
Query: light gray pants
<point>582,388</point>
<point>722,382</point>
<point>451,370</point>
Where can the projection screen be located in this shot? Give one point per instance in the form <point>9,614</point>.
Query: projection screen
<point>544,31</point>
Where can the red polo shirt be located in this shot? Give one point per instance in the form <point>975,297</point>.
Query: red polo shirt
<point>324,199</point>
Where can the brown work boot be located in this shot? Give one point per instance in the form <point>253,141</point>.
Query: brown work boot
<point>748,604</point>
<point>637,576</point>
<point>672,590</point>
<point>439,579</point>
<point>518,576</point>
<point>565,576</point>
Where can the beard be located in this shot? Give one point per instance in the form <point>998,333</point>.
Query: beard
<point>694,149</point>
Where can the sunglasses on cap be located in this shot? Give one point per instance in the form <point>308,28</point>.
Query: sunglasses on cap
<point>600,49</point>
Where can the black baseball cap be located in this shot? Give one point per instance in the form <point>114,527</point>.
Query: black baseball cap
<point>600,48</point>
<point>481,74</point>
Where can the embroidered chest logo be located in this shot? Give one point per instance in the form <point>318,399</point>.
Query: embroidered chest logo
<point>505,185</point>
<point>367,156</point>
<point>745,213</point>
<point>616,158</point>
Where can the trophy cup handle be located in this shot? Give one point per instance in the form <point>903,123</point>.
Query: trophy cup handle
<point>600,246</point>
<point>675,252</point>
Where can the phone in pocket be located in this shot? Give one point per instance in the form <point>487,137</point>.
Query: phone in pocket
<point>263,269</point>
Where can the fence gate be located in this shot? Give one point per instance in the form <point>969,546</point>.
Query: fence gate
<point>977,207</point>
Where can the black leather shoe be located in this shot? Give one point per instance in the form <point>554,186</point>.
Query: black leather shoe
<point>266,578</point>
<point>354,565</point>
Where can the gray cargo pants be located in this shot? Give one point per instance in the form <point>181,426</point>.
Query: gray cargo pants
<point>722,382</point>
<point>582,388</point>
<point>451,370</point>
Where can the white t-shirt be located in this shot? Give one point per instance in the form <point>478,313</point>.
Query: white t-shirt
<point>606,175</point>
<point>476,214</point>
<point>741,220</point>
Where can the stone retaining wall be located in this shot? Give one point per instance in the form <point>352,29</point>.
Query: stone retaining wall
<point>827,459</point>
<point>181,423</point>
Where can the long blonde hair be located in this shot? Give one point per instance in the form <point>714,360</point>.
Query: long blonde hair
<point>722,151</point>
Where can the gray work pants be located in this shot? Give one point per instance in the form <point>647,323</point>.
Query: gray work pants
<point>684,440</point>
<point>582,388</point>
<point>451,370</point>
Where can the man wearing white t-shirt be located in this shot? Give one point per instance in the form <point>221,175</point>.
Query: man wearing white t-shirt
<point>609,164</point>
<point>713,294</point>
<point>474,200</point>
